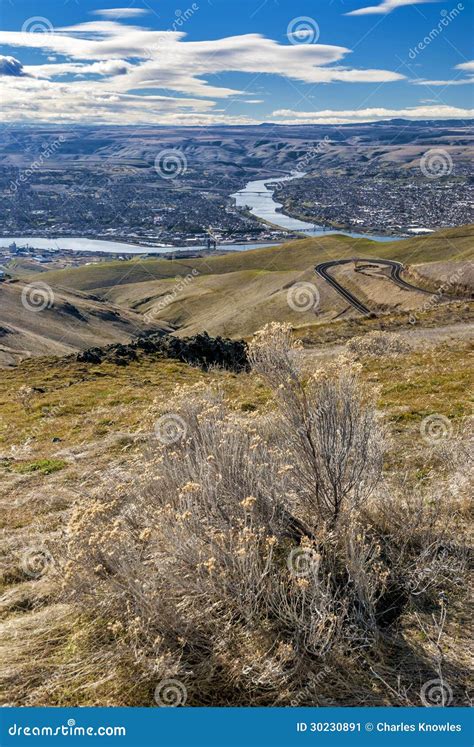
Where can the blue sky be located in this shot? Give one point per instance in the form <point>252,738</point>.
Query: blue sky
<point>235,61</point>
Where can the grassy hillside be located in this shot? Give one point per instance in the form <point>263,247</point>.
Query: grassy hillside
<point>231,295</point>
<point>51,397</point>
<point>449,244</point>
<point>37,320</point>
<point>74,429</point>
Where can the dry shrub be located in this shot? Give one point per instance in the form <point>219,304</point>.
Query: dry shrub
<point>378,343</point>
<point>257,560</point>
<point>332,429</point>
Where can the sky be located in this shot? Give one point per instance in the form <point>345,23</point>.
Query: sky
<point>235,61</point>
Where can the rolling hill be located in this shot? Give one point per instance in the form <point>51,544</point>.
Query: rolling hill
<point>233,294</point>
<point>70,321</point>
<point>452,244</point>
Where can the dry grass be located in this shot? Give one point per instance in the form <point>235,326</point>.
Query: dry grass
<point>235,294</point>
<point>71,321</point>
<point>443,317</point>
<point>446,245</point>
<point>175,563</point>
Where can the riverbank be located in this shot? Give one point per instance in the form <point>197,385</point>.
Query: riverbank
<point>257,197</point>
<point>81,245</point>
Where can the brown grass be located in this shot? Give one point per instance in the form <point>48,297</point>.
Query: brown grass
<point>109,643</point>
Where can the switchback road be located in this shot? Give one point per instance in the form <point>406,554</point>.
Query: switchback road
<point>395,270</point>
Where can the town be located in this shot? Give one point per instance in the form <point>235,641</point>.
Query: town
<point>391,201</point>
<point>75,183</point>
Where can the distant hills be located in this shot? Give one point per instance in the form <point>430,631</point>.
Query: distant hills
<point>265,146</point>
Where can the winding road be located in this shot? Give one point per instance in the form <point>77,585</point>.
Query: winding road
<point>395,270</point>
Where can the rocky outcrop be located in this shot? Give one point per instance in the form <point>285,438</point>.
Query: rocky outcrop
<point>200,350</point>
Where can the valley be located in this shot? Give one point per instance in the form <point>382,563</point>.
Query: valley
<point>112,365</point>
<point>174,186</point>
<point>234,293</point>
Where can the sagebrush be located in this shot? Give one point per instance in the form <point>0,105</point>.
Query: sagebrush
<point>261,559</point>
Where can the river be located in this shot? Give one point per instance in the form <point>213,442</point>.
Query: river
<point>257,195</point>
<point>260,199</point>
<point>113,247</point>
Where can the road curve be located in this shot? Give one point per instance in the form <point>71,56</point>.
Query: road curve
<point>395,269</point>
<point>322,271</point>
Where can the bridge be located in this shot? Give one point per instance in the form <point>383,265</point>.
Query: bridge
<point>264,192</point>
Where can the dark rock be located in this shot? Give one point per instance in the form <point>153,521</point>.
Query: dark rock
<point>91,355</point>
<point>200,350</point>
<point>72,310</point>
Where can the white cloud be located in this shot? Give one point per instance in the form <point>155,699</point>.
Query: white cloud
<point>347,116</point>
<point>11,66</point>
<point>166,57</point>
<point>387,6</point>
<point>434,83</point>
<point>469,66</point>
<point>105,67</point>
<point>35,100</point>
<point>107,61</point>
<point>120,12</point>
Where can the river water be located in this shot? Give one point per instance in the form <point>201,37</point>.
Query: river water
<point>256,195</point>
<point>114,247</point>
<point>259,197</point>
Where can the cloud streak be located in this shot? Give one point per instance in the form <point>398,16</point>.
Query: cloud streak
<point>387,6</point>
<point>97,65</point>
<point>348,116</point>
<point>464,66</point>
<point>469,66</point>
<point>116,13</point>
